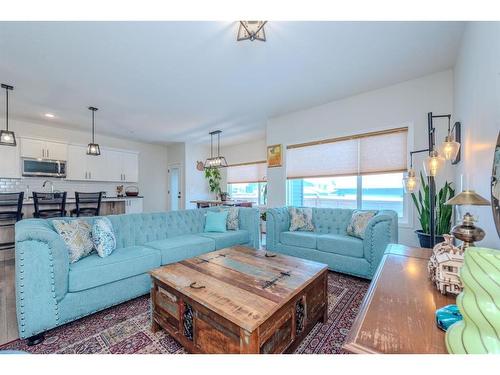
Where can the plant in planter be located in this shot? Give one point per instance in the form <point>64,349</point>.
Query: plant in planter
<point>214,178</point>
<point>443,211</point>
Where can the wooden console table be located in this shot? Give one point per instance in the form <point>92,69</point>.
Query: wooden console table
<point>397,314</point>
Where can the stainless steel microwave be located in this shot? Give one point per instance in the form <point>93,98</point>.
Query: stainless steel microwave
<point>43,168</point>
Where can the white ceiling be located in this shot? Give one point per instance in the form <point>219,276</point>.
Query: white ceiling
<point>175,81</point>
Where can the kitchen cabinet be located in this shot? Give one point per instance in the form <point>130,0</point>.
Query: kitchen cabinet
<point>40,149</point>
<point>130,167</point>
<point>122,166</point>
<point>84,167</point>
<point>10,166</point>
<point>133,206</point>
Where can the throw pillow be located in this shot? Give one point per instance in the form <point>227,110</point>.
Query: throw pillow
<point>232,218</point>
<point>301,219</point>
<point>76,234</point>
<point>359,222</point>
<point>103,237</point>
<point>216,221</point>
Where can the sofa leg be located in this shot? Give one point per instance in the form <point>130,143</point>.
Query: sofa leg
<point>35,340</point>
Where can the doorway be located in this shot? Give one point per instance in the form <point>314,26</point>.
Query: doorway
<point>175,187</point>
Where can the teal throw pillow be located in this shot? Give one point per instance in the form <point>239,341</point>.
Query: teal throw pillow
<point>103,237</point>
<point>216,221</point>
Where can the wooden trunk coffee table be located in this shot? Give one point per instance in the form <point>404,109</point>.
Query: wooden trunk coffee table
<point>238,300</point>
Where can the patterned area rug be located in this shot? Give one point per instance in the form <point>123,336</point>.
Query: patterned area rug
<point>125,329</point>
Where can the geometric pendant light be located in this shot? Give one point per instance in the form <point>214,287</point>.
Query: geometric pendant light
<point>217,161</point>
<point>93,148</point>
<point>7,138</point>
<point>251,30</point>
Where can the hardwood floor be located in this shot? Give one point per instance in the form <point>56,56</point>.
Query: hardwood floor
<point>8,321</point>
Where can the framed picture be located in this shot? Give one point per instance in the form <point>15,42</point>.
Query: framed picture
<point>274,156</point>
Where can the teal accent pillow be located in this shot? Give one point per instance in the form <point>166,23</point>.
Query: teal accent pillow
<point>216,221</point>
<point>103,237</point>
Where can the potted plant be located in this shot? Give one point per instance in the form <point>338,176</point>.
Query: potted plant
<point>214,178</point>
<point>443,212</point>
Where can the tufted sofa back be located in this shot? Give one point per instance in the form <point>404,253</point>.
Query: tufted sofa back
<point>331,220</point>
<point>137,229</point>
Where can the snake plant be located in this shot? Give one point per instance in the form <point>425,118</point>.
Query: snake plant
<point>443,212</point>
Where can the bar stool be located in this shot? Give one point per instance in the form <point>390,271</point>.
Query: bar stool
<point>87,199</point>
<point>49,199</point>
<point>11,205</point>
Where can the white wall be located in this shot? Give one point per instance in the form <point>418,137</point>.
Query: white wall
<point>477,107</point>
<point>152,158</point>
<point>406,103</point>
<point>195,182</point>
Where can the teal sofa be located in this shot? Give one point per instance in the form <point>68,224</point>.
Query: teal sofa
<point>50,291</point>
<point>329,242</point>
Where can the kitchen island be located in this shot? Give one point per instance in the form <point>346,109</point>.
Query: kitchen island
<point>109,206</point>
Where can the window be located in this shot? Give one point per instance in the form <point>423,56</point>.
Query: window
<point>383,192</point>
<point>254,192</point>
<point>247,182</point>
<point>371,192</point>
<point>363,172</point>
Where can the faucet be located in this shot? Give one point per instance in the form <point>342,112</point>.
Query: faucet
<point>51,185</point>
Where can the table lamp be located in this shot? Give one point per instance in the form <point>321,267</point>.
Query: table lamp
<point>467,232</point>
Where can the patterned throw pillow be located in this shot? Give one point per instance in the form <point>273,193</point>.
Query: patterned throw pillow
<point>301,219</point>
<point>232,218</point>
<point>77,236</point>
<point>359,222</point>
<point>103,237</point>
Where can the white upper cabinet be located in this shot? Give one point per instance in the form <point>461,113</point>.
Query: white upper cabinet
<point>10,166</point>
<point>111,165</point>
<point>76,169</point>
<point>114,170</point>
<point>40,149</point>
<point>130,167</point>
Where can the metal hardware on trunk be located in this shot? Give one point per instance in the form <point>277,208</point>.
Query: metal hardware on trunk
<point>187,322</point>
<point>270,283</point>
<point>194,286</point>
<point>300,314</point>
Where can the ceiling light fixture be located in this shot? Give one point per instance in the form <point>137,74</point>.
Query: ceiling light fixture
<point>252,30</point>
<point>7,138</point>
<point>49,115</point>
<point>215,161</point>
<point>93,148</point>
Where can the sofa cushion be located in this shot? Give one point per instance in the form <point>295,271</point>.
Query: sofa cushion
<point>340,244</point>
<point>93,271</point>
<point>230,238</point>
<point>182,247</point>
<point>300,239</point>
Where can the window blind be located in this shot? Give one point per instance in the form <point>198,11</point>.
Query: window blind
<point>378,152</point>
<point>247,173</point>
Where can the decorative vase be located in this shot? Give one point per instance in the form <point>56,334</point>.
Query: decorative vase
<point>425,239</point>
<point>479,305</point>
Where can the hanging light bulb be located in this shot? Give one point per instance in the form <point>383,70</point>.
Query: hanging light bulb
<point>410,182</point>
<point>433,164</point>
<point>7,137</point>
<point>449,148</point>
<point>93,148</point>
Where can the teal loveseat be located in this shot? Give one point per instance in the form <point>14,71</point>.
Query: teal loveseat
<point>50,291</point>
<point>329,242</point>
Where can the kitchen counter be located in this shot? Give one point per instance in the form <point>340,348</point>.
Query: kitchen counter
<point>106,199</point>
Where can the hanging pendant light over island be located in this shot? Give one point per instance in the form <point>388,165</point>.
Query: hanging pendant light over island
<point>93,148</point>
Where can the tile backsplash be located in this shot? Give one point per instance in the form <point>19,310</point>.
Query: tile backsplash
<point>9,185</point>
